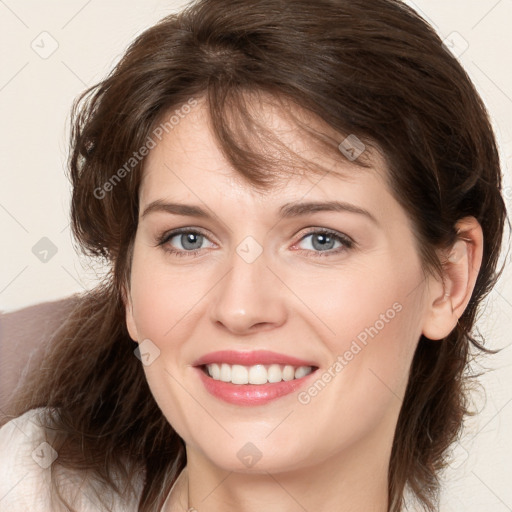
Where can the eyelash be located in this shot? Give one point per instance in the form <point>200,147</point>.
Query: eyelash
<point>347,242</point>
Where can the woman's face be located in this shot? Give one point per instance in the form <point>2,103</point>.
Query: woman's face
<point>258,272</point>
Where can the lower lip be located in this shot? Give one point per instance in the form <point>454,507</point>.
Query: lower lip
<point>251,394</point>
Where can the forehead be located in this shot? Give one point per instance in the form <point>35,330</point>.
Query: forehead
<point>302,154</point>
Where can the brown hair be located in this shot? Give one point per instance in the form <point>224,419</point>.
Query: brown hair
<point>372,68</point>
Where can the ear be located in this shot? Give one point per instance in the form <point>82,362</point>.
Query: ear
<point>128,305</point>
<point>448,298</point>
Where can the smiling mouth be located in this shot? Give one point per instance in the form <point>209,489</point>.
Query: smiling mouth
<point>257,374</point>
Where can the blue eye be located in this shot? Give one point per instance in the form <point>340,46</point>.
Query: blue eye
<point>324,242</point>
<point>190,240</point>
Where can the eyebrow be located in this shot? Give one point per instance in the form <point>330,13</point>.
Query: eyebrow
<point>286,211</point>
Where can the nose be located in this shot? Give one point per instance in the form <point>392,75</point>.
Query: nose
<point>249,298</point>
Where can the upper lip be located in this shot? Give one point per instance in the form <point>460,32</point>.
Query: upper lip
<point>250,358</point>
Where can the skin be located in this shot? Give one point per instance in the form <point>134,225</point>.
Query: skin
<point>297,302</point>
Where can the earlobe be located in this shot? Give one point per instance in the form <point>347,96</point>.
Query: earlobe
<point>448,299</point>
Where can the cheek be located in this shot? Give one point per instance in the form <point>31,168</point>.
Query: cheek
<point>376,335</point>
<point>373,319</point>
<point>162,299</point>
<point>362,298</point>
<point>162,304</point>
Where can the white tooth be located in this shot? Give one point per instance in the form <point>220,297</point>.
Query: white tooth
<point>302,371</point>
<point>274,373</point>
<point>257,374</point>
<point>239,374</point>
<point>214,371</point>
<point>288,372</point>
<point>225,373</point>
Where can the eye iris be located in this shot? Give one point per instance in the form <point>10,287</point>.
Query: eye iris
<point>192,238</point>
<point>326,241</point>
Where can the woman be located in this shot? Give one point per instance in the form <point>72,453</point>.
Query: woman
<point>337,177</point>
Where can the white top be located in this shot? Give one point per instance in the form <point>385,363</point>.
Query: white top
<point>25,479</point>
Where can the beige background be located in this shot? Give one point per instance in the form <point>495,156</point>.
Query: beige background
<point>36,92</point>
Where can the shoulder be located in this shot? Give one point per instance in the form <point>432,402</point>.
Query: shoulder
<point>26,460</point>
